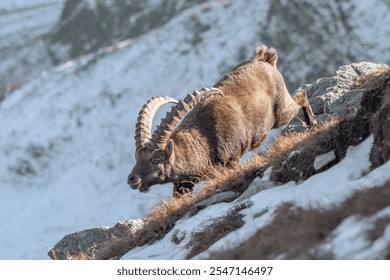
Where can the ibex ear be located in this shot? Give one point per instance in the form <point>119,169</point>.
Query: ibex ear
<point>169,151</point>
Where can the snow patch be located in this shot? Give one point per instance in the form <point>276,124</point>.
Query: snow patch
<point>322,160</point>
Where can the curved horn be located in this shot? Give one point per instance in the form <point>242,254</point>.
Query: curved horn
<point>165,129</point>
<point>143,128</point>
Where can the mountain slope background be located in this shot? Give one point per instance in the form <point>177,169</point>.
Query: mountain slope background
<point>72,91</point>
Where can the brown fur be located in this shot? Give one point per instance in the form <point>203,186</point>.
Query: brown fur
<point>218,130</point>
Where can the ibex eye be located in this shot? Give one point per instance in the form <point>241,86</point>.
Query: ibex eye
<point>155,161</point>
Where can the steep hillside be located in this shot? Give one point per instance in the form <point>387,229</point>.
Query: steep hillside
<point>86,26</point>
<point>67,130</point>
<point>24,25</point>
<point>314,38</point>
<point>305,198</point>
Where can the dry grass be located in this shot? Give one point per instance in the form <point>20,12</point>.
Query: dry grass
<point>72,257</point>
<point>373,78</point>
<point>162,218</point>
<point>378,228</point>
<point>299,166</point>
<point>81,256</point>
<point>208,234</point>
<point>295,230</point>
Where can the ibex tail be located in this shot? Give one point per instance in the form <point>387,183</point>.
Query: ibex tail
<point>266,54</point>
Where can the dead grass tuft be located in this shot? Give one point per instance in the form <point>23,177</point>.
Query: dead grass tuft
<point>80,257</point>
<point>212,232</point>
<point>378,228</point>
<point>373,78</point>
<point>77,256</point>
<point>293,155</point>
<point>162,218</point>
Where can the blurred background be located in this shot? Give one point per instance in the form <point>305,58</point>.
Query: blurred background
<point>75,73</point>
<point>312,37</point>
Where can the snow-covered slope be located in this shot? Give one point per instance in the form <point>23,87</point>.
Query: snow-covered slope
<point>24,25</point>
<point>66,141</point>
<point>314,38</point>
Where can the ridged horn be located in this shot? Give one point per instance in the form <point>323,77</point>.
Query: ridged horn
<point>168,124</point>
<point>143,128</point>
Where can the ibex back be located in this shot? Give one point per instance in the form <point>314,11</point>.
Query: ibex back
<point>211,129</point>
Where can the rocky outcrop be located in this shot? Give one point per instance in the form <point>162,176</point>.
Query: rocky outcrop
<point>333,95</point>
<point>85,26</point>
<point>96,243</point>
<point>357,95</point>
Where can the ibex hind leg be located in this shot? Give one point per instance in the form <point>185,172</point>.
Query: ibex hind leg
<point>301,99</point>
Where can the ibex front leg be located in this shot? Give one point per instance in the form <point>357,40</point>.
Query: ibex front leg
<point>180,189</point>
<point>301,99</point>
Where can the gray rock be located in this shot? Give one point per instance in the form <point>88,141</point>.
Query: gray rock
<point>332,95</point>
<point>217,198</point>
<point>97,243</point>
<point>254,188</point>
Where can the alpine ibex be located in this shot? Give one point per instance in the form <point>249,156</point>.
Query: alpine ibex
<point>212,128</point>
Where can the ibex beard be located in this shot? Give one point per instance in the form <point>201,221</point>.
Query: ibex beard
<point>212,128</point>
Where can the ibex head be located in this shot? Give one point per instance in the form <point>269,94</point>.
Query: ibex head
<point>155,153</point>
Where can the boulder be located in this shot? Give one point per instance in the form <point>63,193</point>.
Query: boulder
<point>332,95</point>
<point>96,243</point>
